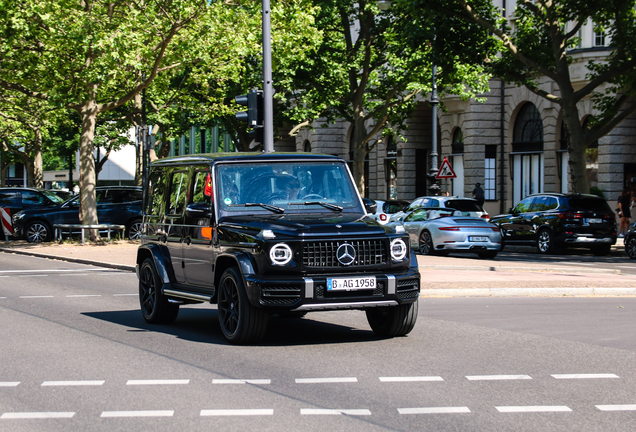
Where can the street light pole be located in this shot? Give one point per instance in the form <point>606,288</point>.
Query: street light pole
<point>434,187</point>
<point>268,104</point>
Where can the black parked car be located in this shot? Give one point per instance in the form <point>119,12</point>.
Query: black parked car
<point>18,198</point>
<point>630,242</point>
<point>551,221</point>
<point>120,205</point>
<point>263,234</point>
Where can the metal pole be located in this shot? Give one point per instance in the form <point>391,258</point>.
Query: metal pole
<point>144,142</point>
<point>434,188</point>
<point>268,105</point>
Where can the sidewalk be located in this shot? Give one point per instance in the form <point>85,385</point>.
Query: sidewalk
<point>441,276</point>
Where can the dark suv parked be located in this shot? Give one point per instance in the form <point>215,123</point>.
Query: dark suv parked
<point>120,205</point>
<point>263,234</point>
<point>553,220</point>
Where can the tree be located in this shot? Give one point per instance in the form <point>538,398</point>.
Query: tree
<point>365,73</point>
<point>91,57</point>
<point>539,46</point>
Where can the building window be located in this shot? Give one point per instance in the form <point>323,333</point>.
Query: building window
<point>599,39</point>
<point>490,173</point>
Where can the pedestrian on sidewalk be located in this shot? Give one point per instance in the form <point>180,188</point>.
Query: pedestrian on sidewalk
<point>478,194</point>
<point>625,203</point>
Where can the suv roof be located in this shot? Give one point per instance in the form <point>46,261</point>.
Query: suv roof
<point>242,157</point>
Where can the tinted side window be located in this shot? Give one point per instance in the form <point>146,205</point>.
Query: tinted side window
<point>540,204</point>
<point>33,198</point>
<point>202,187</point>
<point>156,192</point>
<point>9,197</point>
<point>178,189</point>
<point>523,206</point>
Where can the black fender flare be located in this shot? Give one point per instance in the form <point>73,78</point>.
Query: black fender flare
<point>154,252</point>
<point>247,268</point>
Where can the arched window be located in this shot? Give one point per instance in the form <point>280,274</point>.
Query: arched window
<point>307,146</point>
<point>528,130</point>
<point>527,152</point>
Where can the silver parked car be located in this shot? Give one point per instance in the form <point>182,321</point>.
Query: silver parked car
<point>442,231</point>
<point>467,206</point>
<point>385,209</point>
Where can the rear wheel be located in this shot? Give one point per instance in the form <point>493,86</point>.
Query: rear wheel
<point>426,243</point>
<point>545,242</point>
<point>391,321</point>
<point>133,230</point>
<point>630,246</point>
<point>37,232</point>
<point>240,321</point>
<point>155,307</point>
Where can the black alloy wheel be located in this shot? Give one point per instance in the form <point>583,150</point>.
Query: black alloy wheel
<point>392,321</point>
<point>37,232</point>
<point>240,321</point>
<point>155,307</point>
<point>426,243</point>
<point>545,241</point>
<point>630,246</point>
<point>134,229</point>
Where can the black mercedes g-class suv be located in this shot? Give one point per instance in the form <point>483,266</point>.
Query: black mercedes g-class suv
<point>261,234</point>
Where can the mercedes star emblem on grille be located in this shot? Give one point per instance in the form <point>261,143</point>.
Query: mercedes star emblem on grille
<point>346,254</point>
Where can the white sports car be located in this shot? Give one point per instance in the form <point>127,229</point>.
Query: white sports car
<point>443,230</point>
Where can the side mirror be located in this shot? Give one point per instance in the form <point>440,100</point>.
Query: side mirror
<point>510,210</point>
<point>198,211</point>
<point>370,205</point>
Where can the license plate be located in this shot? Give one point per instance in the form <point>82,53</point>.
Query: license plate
<point>477,239</point>
<point>351,283</point>
<point>595,221</point>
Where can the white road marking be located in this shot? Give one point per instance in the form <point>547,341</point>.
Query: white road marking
<point>80,274</point>
<point>159,413</point>
<point>318,411</point>
<point>36,415</point>
<point>497,377</point>
<point>9,383</point>
<point>434,410</point>
<point>325,380</point>
<point>411,379</point>
<point>241,381</point>
<point>584,376</point>
<point>51,271</point>
<point>34,297</point>
<point>629,267</point>
<point>38,275</point>
<point>236,412</point>
<point>616,407</point>
<point>83,295</point>
<point>72,383</point>
<point>531,409</point>
<point>119,295</point>
<point>158,382</point>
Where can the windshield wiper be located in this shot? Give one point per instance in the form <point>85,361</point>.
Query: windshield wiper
<point>324,204</point>
<point>269,207</point>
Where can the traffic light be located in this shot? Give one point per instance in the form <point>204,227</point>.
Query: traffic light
<point>254,114</point>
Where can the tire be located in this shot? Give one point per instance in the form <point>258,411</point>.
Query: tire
<point>426,243</point>
<point>155,307</point>
<point>37,232</point>
<point>392,321</point>
<point>602,250</point>
<point>545,242</point>
<point>630,246</point>
<point>240,322</point>
<point>487,254</point>
<point>133,230</point>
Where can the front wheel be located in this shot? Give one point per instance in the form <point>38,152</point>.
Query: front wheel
<point>391,321</point>
<point>133,230</point>
<point>155,307</point>
<point>426,243</point>
<point>37,232</point>
<point>630,246</point>
<point>240,321</point>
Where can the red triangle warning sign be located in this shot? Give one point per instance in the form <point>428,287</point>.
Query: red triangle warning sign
<point>446,171</point>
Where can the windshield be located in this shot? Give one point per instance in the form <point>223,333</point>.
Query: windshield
<point>590,204</point>
<point>50,195</point>
<point>286,186</point>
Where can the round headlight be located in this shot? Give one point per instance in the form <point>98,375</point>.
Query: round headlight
<point>398,249</point>
<point>280,254</point>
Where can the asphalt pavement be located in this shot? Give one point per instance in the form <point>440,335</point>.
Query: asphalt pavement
<point>515,272</point>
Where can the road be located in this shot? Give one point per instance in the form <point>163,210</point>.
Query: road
<point>78,356</point>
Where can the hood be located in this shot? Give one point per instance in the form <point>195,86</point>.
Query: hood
<point>304,225</point>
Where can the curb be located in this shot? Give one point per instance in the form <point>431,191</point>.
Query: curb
<point>69,259</point>
<point>522,269</point>
<point>528,292</point>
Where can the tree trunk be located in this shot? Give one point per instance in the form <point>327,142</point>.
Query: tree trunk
<point>359,154</point>
<point>38,176</point>
<point>576,150</point>
<point>88,200</point>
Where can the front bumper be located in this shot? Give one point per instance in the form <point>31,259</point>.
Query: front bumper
<point>310,292</point>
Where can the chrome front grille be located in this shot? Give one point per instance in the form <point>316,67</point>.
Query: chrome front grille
<point>323,253</point>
